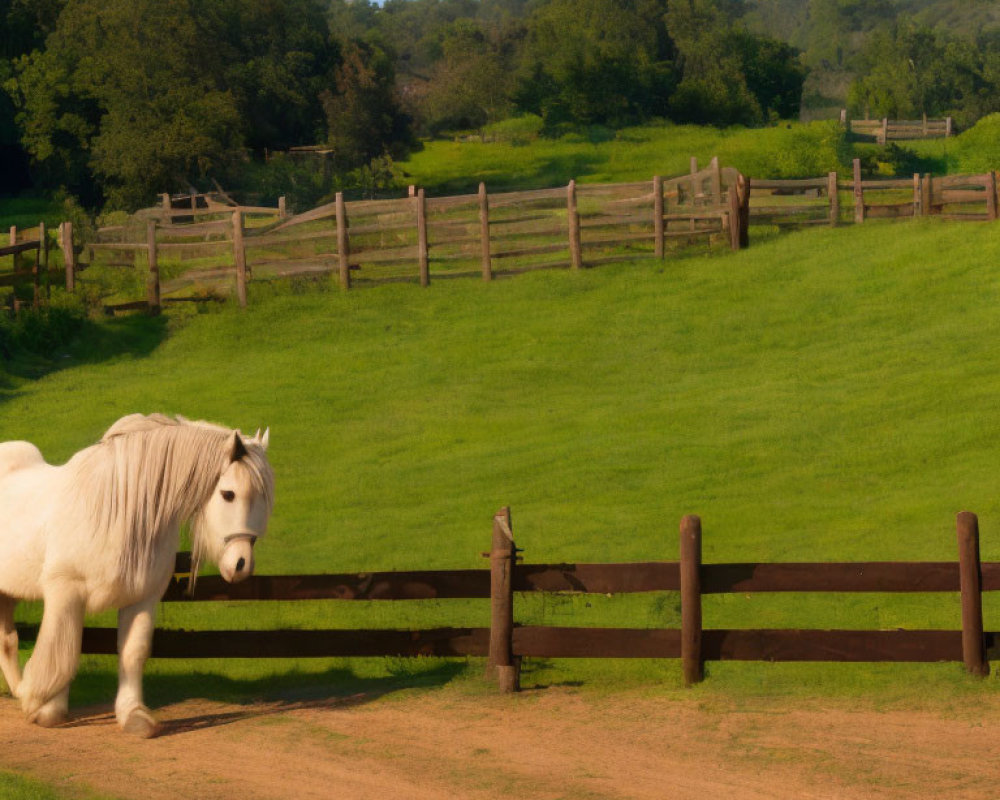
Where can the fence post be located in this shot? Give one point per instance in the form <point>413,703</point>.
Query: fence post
<point>425,273</point>
<point>484,232</point>
<point>658,230</point>
<point>694,194</point>
<point>282,210</point>
<point>36,273</point>
<point>991,195</point>
<point>917,196</point>
<point>884,136</point>
<point>859,193</point>
<point>734,215</point>
<point>153,276</point>
<point>43,255</point>
<point>501,662</point>
<point>69,254</point>
<point>716,181</point>
<point>947,127</point>
<point>970,579</point>
<point>343,243</point>
<point>16,258</point>
<point>834,198</point>
<point>239,258</point>
<point>690,569</point>
<point>573,217</point>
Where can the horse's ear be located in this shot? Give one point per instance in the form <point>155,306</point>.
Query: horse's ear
<point>265,438</point>
<point>239,449</point>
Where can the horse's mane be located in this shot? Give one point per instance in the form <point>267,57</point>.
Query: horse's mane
<point>151,473</point>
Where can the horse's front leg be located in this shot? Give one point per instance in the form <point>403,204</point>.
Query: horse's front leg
<point>8,644</point>
<point>44,689</point>
<point>135,641</point>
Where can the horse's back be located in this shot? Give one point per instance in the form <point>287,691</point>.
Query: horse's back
<point>25,492</point>
<point>17,455</point>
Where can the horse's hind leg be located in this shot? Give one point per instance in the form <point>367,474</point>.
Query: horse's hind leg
<point>8,644</point>
<point>45,686</point>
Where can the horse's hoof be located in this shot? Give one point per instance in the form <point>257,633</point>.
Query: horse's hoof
<point>50,717</point>
<point>140,723</point>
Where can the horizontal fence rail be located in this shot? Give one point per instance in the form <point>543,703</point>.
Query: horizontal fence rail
<point>887,130</point>
<point>833,201</point>
<point>504,642</point>
<point>421,238</point>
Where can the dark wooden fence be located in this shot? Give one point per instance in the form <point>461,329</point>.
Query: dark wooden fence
<point>504,642</point>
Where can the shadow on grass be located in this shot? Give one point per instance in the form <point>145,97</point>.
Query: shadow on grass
<point>40,344</point>
<point>543,174</point>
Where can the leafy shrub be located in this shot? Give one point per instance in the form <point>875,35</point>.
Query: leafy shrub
<point>44,332</point>
<point>520,129</point>
<point>796,151</point>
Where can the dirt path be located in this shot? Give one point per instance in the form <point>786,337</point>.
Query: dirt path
<point>549,744</point>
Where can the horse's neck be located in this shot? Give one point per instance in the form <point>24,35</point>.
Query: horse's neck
<point>140,487</point>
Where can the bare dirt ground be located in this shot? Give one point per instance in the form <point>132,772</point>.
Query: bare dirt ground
<point>554,743</point>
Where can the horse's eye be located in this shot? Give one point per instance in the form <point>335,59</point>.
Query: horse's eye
<point>228,495</point>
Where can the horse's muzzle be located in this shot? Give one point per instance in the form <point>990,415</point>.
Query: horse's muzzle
<point>237,562</point>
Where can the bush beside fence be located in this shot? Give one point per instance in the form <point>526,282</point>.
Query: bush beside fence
<point>504,642</point>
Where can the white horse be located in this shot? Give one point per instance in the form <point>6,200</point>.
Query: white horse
<point>102,532</point>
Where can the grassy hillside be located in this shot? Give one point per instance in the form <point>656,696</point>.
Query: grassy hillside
<point>632,154</point>
<point>824,395</point>
<point>788,150</point>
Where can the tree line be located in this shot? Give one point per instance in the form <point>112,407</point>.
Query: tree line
<point>115,101</point>
<point>892,58</point>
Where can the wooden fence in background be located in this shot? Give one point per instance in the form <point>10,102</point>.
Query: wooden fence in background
<point>886,130</point>
<point>38,270</point>
<point>504,642</point>
<point>418,238</point>
<point>831,200</point>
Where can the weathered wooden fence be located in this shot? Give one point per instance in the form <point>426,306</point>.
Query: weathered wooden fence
<point>504,643</point>
<point>891,130</point>
<point>418,238</point>
<point>39,270</point>
<point>831,200</point>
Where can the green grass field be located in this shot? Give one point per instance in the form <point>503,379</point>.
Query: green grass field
<point>824,395</point>
<point>787,150</point>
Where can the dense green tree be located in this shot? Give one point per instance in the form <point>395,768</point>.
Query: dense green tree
<point>363,117</point>
<point>23,27</point>
<point>596,61</point>
<point>471,83</point>
<point>276,58</point>
<point>907,70</point>
<point>727,73</point>
<point>122,91</point>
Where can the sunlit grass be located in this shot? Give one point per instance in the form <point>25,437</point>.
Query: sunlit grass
<point>824,395</point>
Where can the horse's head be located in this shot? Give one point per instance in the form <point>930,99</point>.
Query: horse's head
<point>236,514</point>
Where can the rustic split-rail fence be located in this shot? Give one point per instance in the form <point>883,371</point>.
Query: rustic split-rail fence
<point>420,238</point>
<point>883,131</point>
<point>504,643</point>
